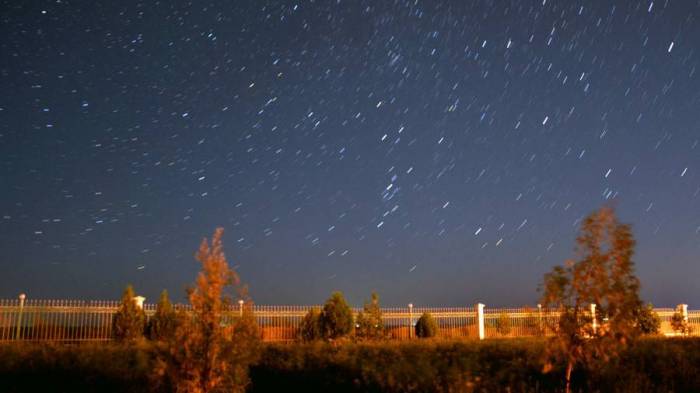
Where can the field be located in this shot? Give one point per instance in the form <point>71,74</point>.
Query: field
<point>652,365</point>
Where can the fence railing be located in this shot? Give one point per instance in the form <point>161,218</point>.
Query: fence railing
<point>80,320</point>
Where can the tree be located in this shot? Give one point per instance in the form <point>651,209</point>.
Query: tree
<point>205,355</point>
<point>336,317</point>
<point>680,324</point>
<point>129,321</point>
<point>310,327</point>
<point>426,326</point>
<point>162,324</point>
<point>369,321</point>
<point>648,321</point>
<point>603,275</point>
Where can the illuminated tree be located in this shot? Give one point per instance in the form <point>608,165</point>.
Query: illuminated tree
<point>648,321</point>
<point>426,326</point>
<point>310,327</point>
<point>680,324</point>
<point>603,275</point>
<point>205,354</point>
<point>336,317</point>
<point>129,321</point>
<point>163,323</point>
<point>369,321</point>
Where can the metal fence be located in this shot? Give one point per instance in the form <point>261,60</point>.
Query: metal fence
<point>80,320</point>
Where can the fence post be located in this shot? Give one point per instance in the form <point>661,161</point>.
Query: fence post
<point>480,318</point>
<point>684,311</point>
<point>594,321</point>
<point>540,331</point>
<point>240,308</point>
<point>19,317</point>
<point>410,320</point>
<point>139,301</point>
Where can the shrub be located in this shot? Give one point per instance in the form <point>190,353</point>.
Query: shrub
<point>503,324</point>
<point>680,324</point>
<point>426,326</point>
<point>648,321</point>
<point>336,317</point>
<point>369,321</point>
<point>163,323</point>
<point>129,321</point>
<point>310,327</point>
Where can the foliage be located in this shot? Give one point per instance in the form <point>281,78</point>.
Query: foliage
<point>648,321</point>
<point>679,324</point>
<point>99,367</point>
<point>651,365</point>
<point>503,324</point>
<point>129,321</point>
<point>426,326</point>
<point>604,275</point>
<point>336,317</point>
<point>164,322</point>
<point>310,327</point>
<point>369,321</point>
<point>204,354</point>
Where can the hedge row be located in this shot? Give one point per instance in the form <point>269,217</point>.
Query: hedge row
<point>653,365</point>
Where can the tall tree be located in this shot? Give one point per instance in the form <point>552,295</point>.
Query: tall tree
<point>602,275</point>
<point>206,355</point>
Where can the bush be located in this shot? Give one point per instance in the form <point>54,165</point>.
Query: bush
<point>426,326</point>
<point>648,321</point>
<point>680,324</point>
<point>651,365</point>
<point>164,322</point>
<point>369,321</point>
<point>310,327</point>
<point>336,317</point>
<point>129,321</point>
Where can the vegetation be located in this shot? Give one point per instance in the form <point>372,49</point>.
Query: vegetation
<point>310,327</point>
<point>426,326</point>
<point>679,324</point>
<point>163,323</point>
<point>603,275</point>
<point>369,321</point>
<point>336,317</point>
<point>648,321</point>
<point>205,355</point>
<point>129,320</point>
<point>652,365</point>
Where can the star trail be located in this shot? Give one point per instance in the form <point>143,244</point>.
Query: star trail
<point>440,153</point>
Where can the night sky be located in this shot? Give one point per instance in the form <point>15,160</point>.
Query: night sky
<point>440,153</point>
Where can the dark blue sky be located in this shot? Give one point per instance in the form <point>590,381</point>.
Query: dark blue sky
<point>441,153</point>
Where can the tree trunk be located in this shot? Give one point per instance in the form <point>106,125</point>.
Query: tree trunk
<point>569,368</point>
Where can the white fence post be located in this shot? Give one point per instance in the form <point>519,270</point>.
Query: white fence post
<point>19,317</point>
<point>240,308</point>
<point>139,301</point>
<point>684,311</point>
<point>480,317</point>
<point>594,321</point>
<point>410,320</point>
